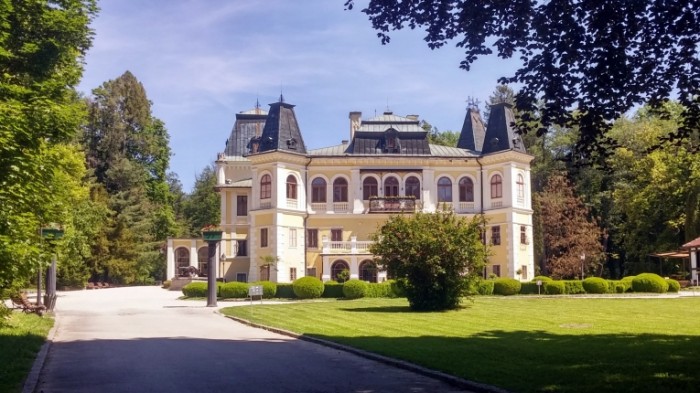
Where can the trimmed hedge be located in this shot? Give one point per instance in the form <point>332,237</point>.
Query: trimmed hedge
<point>554,287</point>
<point>234,290</point>
<point>383,289</point>
<point>485,287</point>
<point>627,282</point>
<point>595,285</point>
<point>332,289</point>
<point>531,288</point>
<point>542,278</point>
<point>573,287</point>
<point>199,289</point>
<point>649,282</point>
<point>285,291</point>
<point>354,289</point>
<point>398,287</point>
<point>308,287</point>
<point>506,286</point>
<point>673,285</point>
<point>269,288</point>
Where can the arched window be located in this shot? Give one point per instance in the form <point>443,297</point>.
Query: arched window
<point>203,259</point>
<point>444,189</point>
<point>466,190</point>
<point>340,190</point>
<point>521,186</point>
<point>291,187</point>
<point>265,187</point>
<point>337,270</point>
<point>391,187</point>
<point>368,271</point>
<point>318,190</point>
<point>182,260</point>
<point>413,187</point>
<point>496,186</point>
<point>369,188</point>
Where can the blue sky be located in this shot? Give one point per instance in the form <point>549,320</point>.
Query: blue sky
<point>201,62</point>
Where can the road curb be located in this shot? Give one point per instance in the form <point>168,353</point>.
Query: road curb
<point>450,379</point>
<point>30,384</point>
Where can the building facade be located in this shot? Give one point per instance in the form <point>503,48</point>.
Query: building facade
<point>289,212</point>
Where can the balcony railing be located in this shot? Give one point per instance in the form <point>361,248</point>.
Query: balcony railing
<point>392,205</point>
<point>353,246</point>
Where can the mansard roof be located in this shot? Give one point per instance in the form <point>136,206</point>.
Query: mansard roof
<point>249,124</point>
<point>281,130</point>
<point>473,131</point>
<point>500,135</point>
<point>387,120</point>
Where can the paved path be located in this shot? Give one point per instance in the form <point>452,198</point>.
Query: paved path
<point>143,339</point>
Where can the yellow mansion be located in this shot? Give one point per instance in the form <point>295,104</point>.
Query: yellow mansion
<point>287,211</point>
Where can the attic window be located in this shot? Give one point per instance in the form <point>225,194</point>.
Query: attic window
<point>254,145</point>
<point>292,143</point>
<point>391,142</point>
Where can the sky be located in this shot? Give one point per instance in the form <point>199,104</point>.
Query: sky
<point>201,62</point>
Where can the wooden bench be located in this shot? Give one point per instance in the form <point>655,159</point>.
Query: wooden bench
<point>20,300</point>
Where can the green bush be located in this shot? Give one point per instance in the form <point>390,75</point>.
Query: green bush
<point>383,289</point>
<point>673,285</point>
<point>269,288</point>
<point>308,287</point>
<point>506,286</point>
<point>531,288</point>
<point>332,289</point>
<point>573,287</point>
<point>542,278</point>
<point>398,287</point>
<point>354,289</point>
<point>234,290</point>
<point>195,289</point>
<point>554,287</point>
<point>285,291</point>
<point>595,285</point>
<point>649,282</point>
<point>627,282</point>
<point>485,287</point>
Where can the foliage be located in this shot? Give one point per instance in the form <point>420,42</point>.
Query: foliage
<point>195,289</point>
<point>343,276</point>
<point>673,285</point>
<point>531,288</point>
<point>541,278</point>
<point>502,93</point>
<point>398,287</point>
<point>649,282</point>
<point>555,287</point>
<point>308,287</point>
<point>573,287</point>
<point>202,206</point>
<point>432,252</point>
<point>234,290</point>
<point>21,338</point>
<point>597,58</point>
<point>355,289</point>
<point>269,288</point>
<point>485,287</point>
<point>506,286</point>
<point>436,137</point>
<point>285,291</point>
<point>382,289</point>
<point>596,285</point>
<point>332,289</point>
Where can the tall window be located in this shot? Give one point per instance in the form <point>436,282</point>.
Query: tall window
<point>391,187</point>
<point>265,273</point>
<point>444,190</point>
<point>369,188</point>
<point>496,235</point>
<point>340,190</point>
<point>312,238</point>
<point>292,273</point>
<point>266,187</point>
<point>496,186</point>
<point>263,237</point>
<point>368,271</point>
<point>203,259</point>
<point>292,238</point>
<point>413,187</point>
<point>242,248</point>
<point>521,186</point>
<point>182,256</point>
<point>497,270</point>
<point>242,205</point>
<point>291,187</point>
<point>466,190</point>
<point>523,235</point>
<point>336,235</point>
<point>318,190</point>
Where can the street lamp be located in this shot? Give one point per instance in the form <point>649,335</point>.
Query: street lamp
<point>583,260</point>
<point>212,235</point>
<point>50,234</point>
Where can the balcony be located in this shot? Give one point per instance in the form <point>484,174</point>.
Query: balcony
<point>392,205</point>
<point>354,246</point>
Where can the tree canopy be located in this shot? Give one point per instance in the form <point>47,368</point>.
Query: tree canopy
<point>584,63</point>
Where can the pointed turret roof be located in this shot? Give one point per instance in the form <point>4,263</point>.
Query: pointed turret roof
<point>500,135</point>
<point>249,124</point>
<point>281,130</point>
<point>473,131</point>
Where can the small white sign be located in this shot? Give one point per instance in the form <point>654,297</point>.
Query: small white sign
<point>539,282</point>
<point>255,290</point>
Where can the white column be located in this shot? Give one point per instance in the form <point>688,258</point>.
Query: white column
<point>170,256</point>
<point>429,190</point>
<point>694,265</point>
<point>355,192</point>
<point>354,268</point>
<point>326,275</point>
<point>193,254</point>
<point>220,173</point>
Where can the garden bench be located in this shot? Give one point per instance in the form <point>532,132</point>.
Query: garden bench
<point>20,300</point>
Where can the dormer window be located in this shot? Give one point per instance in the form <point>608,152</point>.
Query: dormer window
<point>254,145</point>
<point>391,141</point>
<point>292,143</point>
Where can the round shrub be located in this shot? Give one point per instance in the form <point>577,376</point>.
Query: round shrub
<point>269,288</point>
<point>308,287</point>
<point>595,285</point>
<point>506,286</point>
<point>620,288</point>
<point>554,287</point>
<point>542,278</point>
<point>485,287</point>
<point>673,285</point>
<point>195,289</point>
<point>649,282</point>
<point>354,289</point>
<point>234,290</point>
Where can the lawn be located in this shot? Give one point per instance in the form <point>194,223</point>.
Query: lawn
<point>21,337</point>
<point>523,344</point>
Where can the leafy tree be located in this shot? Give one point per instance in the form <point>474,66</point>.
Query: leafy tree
<point>601,58</point>
<point>567,232</point>
<point>202,207</point>
<point>444,138</point>
<point>439,255</point>
<point>502,93</point>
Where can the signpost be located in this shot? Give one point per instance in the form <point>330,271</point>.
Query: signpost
<point>255,290</point>
<point>212,236</point>
<point>539,286</point>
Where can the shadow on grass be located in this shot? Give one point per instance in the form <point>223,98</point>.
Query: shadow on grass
<point>17,353</point>
<point>536,361</point>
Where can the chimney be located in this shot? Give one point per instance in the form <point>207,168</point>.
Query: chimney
<point>355,119</point>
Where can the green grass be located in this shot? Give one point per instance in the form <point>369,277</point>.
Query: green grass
<point>521,344</point>
<point>21,337</point>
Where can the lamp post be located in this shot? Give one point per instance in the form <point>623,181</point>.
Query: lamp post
<point>583,260</point>
<point>212,236</point>
<point>50,234</point>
